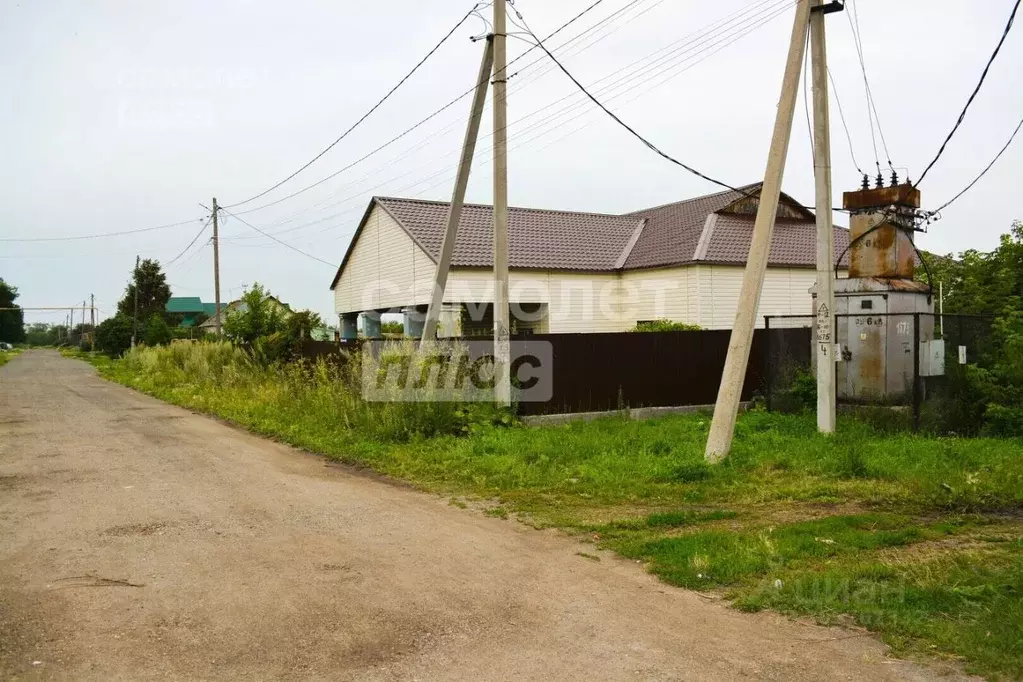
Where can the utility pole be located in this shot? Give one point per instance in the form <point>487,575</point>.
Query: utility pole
<point>135,316</point>
<point>92,321</point>
<point>216,267</point>
<point>722,428</point>
<point>458,195</point>
<point>502,342</point>
<point>826,348</point>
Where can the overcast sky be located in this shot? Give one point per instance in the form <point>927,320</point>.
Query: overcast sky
<point>120,115</point>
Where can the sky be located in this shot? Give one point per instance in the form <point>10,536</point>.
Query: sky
<point>120,115</point>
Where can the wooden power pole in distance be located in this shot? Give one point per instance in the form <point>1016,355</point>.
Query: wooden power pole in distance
<point>502,331</point>
<point>825,347</point>
<point>216,268</point>
<point>135,316</point>
<point>458,195</point>
<point>722,428</point>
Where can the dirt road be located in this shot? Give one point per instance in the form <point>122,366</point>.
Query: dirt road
<point>138,540</point>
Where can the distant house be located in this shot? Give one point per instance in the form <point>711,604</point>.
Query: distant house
<point>226,309</point>
<point>578,272</point>
<point>191,307</point>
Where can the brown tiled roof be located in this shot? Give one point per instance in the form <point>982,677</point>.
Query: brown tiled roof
<point>664,236</point>
<point>793,243</point>
<point>673,231</point>
<point>556,240</point>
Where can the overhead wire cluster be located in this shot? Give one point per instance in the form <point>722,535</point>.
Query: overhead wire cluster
<point>651,71</point>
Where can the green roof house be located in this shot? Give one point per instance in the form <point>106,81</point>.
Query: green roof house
<point>190,307</point>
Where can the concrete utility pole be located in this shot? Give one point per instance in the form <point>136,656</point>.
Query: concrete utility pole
<point>458,195</point>
<point>92,321</point>
<point>502,342</point>
<point>825,347</point>
<point>135,315</point>
<point>726,410</point>
<point>216,267</point>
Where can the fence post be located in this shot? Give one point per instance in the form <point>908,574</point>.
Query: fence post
<point>768,367</point>
<point>917,397</point>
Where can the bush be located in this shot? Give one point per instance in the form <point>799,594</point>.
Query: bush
<point>113,335</point>
<point>666,326</point>
<point>157,332</point>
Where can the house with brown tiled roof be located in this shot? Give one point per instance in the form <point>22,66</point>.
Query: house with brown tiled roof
<point>577,271</point>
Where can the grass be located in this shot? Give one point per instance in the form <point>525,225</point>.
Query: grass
<point>6,355</point>
<point>916,538</point>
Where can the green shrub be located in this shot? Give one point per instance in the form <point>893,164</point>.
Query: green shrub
<point>665,326</point>
<point>157,332</point>
<point>301,401</point>
<point>113,335</point>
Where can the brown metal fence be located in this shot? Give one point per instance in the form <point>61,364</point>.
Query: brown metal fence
<point>611,371</point>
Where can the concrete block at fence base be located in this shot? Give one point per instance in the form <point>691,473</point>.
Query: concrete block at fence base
<point>634,413</point>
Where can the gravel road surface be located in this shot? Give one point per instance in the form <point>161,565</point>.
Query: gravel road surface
<point>141,541</point>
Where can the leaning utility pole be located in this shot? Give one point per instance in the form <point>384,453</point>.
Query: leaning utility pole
<point>458,195</point>
<point>825,347</point>
<point>216,268</point>
<point>502,342</point>
<point>722,428</point>
<point>92,321</point>
<point>135,316</point>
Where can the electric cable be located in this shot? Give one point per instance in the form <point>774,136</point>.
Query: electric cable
<point>293,248</point>
<point>194,240</point>
<point>414,127</point>
<point>973,95</point>
<point>368,113</point>
<point>98,236</point>
<point>983,172</point>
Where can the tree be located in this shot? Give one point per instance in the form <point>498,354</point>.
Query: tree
<point>153,292</point>
<point>157,332</point>
<point>113,335</point>
<point>257,315</point>
<point>42,334</point>
<point>12,322</point>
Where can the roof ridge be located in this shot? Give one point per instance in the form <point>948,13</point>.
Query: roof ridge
<point>691,199</point>
<point>511,208</point>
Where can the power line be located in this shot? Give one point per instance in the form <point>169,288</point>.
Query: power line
<point>845,126</point>
<point>973,95</point>
<point>983,172</point>
<point>368,113</point>
<point>693,39</point>
<point>98,236</point>
<point>265,234</point>
<point>420,123</point>
<point>650,145</point>
<point>872,116</point>
<point>663,64</point>
<point>482,155</point>
<point>194,240</point>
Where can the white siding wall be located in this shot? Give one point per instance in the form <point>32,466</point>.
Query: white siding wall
<point>386,269</point>
<point>584,302</point>
<point>785,292</point>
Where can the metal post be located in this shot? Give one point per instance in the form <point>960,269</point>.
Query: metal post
<point>825,233</point>
<point>917,392</point>
<point>726,409</point>
<point>768,362</point>
<point>941,308</point>
<point>458,196</point>
<point>135,315</point>
<point>216,268</point>
<point>502,342</point>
